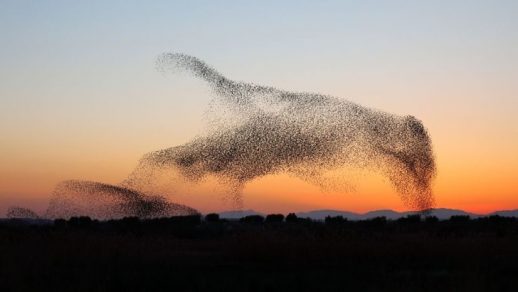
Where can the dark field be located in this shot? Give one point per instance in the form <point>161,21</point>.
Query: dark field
<point>189,253</point>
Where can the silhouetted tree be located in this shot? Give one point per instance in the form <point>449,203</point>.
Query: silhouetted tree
<point>189,219</point>
<point>415,218</point>
<point>460,218</point>
<point>212,217</point>
<point>291,218</point>
<point>499,219</point>
<point>376,222</point>
<point>252,219</point>
<point>274,218</point>
<point>80,222</point>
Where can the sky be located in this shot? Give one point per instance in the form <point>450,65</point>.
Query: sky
<point>80,97</point>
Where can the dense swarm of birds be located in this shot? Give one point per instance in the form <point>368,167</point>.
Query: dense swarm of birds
<point>263,130</point>
<point>305,134</point>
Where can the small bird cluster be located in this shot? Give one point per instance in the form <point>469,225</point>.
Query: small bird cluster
<point>18,212</point>
<point>105,201</point>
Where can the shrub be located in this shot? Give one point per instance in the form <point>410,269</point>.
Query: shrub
<point>416,218</point>
<point>335,220</point>
<point>274,218</point>
<point>291,218</point>
<point>80,222</point>
<point>460,218</point>
<point>252,219</point>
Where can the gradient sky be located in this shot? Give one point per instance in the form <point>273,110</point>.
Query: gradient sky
<point>80,97</point>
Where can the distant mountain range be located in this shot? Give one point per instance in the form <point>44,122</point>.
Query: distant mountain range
<point>506,213</point>
<point>441,213</point>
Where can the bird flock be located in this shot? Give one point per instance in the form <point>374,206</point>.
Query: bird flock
<point>261,131</point>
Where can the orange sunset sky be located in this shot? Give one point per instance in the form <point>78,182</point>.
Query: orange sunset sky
<point>80,97</point>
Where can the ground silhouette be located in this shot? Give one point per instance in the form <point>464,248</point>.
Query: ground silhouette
<point>256,253</point>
